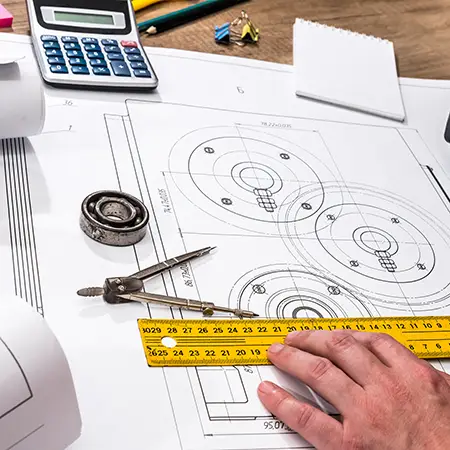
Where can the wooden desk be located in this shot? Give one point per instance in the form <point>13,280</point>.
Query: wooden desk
<point>419,29</point>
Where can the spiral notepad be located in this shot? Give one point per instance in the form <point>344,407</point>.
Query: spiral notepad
<point>348,69</point>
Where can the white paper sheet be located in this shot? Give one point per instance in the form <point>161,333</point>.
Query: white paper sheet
<point>22,101</point>
<point>349,217</point>
<point>4,60</point>
<point>38,404</point>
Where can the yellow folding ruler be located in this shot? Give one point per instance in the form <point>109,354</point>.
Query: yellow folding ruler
<point>171,343</point>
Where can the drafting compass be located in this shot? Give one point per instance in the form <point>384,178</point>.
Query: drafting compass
<point>130,289</point>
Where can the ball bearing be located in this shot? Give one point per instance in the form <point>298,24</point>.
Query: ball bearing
<point>114,218</point>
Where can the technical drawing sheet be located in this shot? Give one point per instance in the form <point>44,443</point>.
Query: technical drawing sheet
<point>38,405</point>
<point>315,212</point>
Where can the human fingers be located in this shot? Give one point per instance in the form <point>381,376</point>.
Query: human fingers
<point>386,348</point>
<point>318,373</point>
<point>340,347</point>
<point>318,428</point>
<point>444,375</point>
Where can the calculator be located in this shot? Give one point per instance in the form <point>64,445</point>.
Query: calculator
<point>89,44</point>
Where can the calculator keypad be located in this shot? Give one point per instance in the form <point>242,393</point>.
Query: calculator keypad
<point>80,70</point>
<point>47,38</point>
<point>115,57</point>
<point>128,43</point>
<point>88,55</point>
<point>138,65</point>
<point>120,69</point>
<point>135,58</point>
<point>109,42</point>
<point>77,62</point>
<point>51,44</point>
<point>53,52</point>
<point>69,39</point>
<point>92,47</point>
<point>59,68</point>
<point>112,49</point>
<point>98,62</point>
<point>56,60</point>
<point>101,71</point>
<point>89,41</point>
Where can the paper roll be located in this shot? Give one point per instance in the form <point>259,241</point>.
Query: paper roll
<point>22,101</point>
<point>38,403</point>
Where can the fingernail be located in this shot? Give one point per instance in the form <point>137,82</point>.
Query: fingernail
<point>266,387</point>
<point>275,348</point>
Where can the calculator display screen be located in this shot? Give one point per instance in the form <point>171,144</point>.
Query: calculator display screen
<point>99,19</point>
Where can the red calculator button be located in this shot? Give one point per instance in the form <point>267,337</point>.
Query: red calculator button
<point>129,44</point>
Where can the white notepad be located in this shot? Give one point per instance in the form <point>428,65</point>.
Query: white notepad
<point>347,69</point>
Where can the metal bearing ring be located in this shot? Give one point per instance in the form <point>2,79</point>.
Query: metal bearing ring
<point>114,218</point>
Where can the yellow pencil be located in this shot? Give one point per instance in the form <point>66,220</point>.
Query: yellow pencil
<point>141,4</point>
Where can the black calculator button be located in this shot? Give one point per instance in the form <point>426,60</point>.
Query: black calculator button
<point>68,39</point>
<point>48,38</point>
<point>109,42</point>
<point>89,41</point>
<point>72,46</point>
<point>101,71</point>
<point>77,61</point>
<point>80,70</point>
<point>51,44</point>
<point>92,48</point>
<point>132,51</point>
<point>58,68</point>
<point>115,56</point>
<point>56,60</point>
<point>135,58</point>
<point>53,52</point>
<point>112,49</point>
<point>95,55</point>
<point>138,65</point>
<point>98,62</point>
<point>120,69</point>
<point>142,73</point>
<point>75,54</point>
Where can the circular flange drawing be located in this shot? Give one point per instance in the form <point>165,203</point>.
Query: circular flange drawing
<point>247,178</point>
<point>396,253</point>
<point>283,292</point>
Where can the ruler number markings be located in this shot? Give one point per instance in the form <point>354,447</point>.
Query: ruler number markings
<point>244,342</point>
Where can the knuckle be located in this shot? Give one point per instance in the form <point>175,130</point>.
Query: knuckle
<point>282,404</point>
<point>341,341</point>
<point>380,340</point>
<point>285,406</point>
<point>303,417</point>
<point>319,368</point>
<point>429,375</point>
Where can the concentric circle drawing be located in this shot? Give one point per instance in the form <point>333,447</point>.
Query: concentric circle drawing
<point>282,291</point>
<point>395,252</point>
<point>247,178</point>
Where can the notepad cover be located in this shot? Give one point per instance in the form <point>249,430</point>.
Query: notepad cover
<point>347,69</point>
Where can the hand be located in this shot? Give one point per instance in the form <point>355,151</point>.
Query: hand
<point>387,397</point>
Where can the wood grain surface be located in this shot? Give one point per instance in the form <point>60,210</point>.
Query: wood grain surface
<point>420,29</point>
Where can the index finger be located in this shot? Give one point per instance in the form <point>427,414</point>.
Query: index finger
<point>386,348</point>
<point>318,428</point>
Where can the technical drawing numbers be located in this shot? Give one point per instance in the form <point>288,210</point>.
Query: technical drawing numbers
<point>310,219</point>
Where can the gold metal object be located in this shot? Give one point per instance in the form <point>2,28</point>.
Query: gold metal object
<point>130,289</point>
